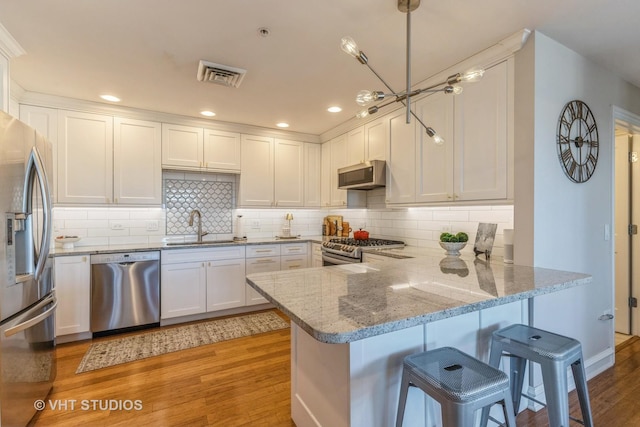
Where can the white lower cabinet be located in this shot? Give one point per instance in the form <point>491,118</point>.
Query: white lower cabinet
<point>316,255</point>
<point>263,264</point>
<point>294,256</point>
<point>72,275</point>
<point>195,281</point>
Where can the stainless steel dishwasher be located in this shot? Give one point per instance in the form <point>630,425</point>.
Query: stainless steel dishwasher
<point>125,291</point>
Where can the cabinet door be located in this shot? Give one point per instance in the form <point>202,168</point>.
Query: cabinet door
<point>294,262</point>
<point>72,275</point>
<point>355,146</point>
<point>222,151</point>
<point>45,122</point>
<point>256,179</point>
<point>288,173</point>
<point>376,139</point>
<point>184,289</point>
<point>225,284</point>
<point>85,158</point>
<point>312,174</point>
<point>325,175</point>
<point>434,163</point>
<point>137,163</point>
<point>480,168</point>
<point>316,255</point>
<point>339,160</point>
<point>401,172</point>
<point>182,146</point>
<point>259,265</point>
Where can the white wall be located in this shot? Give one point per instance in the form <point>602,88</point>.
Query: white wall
<point>560,224</point>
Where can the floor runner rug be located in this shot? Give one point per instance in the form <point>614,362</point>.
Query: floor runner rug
<point>128,349</point>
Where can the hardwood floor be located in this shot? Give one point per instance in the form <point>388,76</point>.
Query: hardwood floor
<point>246,381</point>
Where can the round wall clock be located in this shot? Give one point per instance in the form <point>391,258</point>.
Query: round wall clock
<point>577,141</point>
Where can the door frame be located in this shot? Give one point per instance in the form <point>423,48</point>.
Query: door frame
<point>630,121</point>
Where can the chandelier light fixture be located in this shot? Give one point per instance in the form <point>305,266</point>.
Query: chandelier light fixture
<point>365,98</point>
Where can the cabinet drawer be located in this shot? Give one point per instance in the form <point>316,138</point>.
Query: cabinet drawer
<point>254,251</point>
<point>293,248</point>
<point>209,254</point>
<point>262,265</point>
<point>293,262</point>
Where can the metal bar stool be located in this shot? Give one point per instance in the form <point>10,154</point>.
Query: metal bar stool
<point>554,353</point>
<point>460,383</point>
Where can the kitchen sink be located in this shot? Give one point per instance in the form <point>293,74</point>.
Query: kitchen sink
<point>208,242</point>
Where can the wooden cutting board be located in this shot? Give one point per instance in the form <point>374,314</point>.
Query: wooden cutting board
<point>335,224</point>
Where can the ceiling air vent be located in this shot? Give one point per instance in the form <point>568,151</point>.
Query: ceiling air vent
<point>220,74</point>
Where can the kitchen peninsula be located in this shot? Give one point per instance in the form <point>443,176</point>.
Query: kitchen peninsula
<point>353,324</point>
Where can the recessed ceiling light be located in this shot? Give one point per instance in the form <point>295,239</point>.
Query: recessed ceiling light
<point>283,125</point>
<point>334,109</point>
<point>207,113</point>
<point>110,98</point>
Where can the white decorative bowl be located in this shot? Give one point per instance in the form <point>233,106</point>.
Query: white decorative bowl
<point>67,241</point>
<point>452,248</point>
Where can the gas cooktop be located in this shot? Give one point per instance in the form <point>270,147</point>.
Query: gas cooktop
<point>368,242</point>
<point>353,248</point>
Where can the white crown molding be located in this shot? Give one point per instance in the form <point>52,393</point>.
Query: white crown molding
<point>486,58</point>
<point>9,47</point>
<point>63,103</point>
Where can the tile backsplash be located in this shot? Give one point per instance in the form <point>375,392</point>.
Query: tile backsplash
<point>215,196</point>
<point>213,199</point>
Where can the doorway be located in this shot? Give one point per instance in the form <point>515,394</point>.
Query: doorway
<point>626,223</point>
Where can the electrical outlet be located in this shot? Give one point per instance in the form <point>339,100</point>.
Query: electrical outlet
<point>255,224</point>
<point>117,226</point>
<point>445,229</point>
<point>152,225</point>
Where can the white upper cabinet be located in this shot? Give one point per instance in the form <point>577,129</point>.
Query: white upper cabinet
<point>182,146</point>
<point>325,174</point>
<point>222,151</point>
<point>45,122</point>
<point>312,174</point>
<point>256,179</point>
<point>355,146</point>
<point>288,173</point>
<point>480,167</point>
<point>473,162</point>
<point>376,139</point>
<point>401,185</point>
<point>85,158</point>
<point>189,148</point>
<point>137,168</point>
<point>339,159</point>
<point>434,163</point>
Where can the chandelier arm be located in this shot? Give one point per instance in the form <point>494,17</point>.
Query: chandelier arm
<point>380,78</point>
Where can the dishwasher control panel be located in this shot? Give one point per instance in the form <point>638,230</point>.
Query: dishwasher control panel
<point>119,257</point>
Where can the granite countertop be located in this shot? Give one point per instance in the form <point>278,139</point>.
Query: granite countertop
<point>346,303</point>
<point>104,249</point>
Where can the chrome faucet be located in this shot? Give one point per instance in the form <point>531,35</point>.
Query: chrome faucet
<point>193,214</point>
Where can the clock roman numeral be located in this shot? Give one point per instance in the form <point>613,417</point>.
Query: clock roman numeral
<point>567,156</point>
<point>564,139</point>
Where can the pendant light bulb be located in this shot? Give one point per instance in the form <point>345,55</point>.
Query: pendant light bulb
<point>472,75</point>
<point>366,97</point>
<point>362,114</point>
<point>457,90</point>
<point>349,46</point>
<point>438,140</point>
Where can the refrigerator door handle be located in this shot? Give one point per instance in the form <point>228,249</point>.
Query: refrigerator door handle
<point>35,169</point>
<point>34,320</point>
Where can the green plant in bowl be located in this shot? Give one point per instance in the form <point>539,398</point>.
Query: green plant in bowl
<point>452,243</point>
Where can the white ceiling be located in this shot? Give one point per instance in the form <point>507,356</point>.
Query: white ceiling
<point>147,51</point>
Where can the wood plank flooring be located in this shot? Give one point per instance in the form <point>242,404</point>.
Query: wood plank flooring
<point>246,382</point>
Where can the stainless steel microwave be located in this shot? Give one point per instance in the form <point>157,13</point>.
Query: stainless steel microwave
<point>363,176</point>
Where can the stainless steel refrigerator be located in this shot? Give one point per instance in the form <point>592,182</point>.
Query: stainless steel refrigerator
<point>27,296</point>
